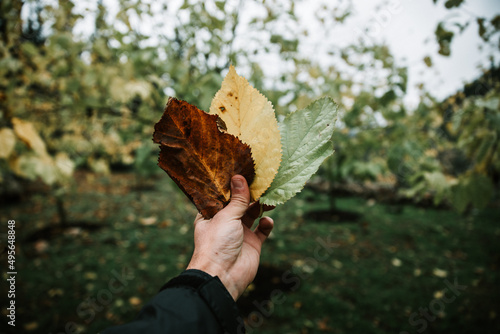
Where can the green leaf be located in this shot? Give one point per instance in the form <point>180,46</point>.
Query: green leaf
<point>220,4</point>
<point>444,38</point>
<point>453,3</point>
<point>475,189</point>
<point>185,5</point>
<point>486,143</point>
<point>481,190</point>
<point>459,197</point>
<point>495,22</point>
<point>437,182</point>
<point>306,142</point>
<point>428,61</point>
<point>482,28</point>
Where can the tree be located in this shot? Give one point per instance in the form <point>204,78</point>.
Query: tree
<point>447,29</point>
<point>92,99</point>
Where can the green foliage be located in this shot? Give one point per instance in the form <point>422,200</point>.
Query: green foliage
<point>486,28</point>
<point>92,100</point>
<point>475,189</point>
<point>444,38</point>
<point>145,160</point>
<point>453,3</point>
<point>74,92</point>
<point>451,150</point>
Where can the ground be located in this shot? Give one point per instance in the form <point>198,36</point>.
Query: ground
<point>389,269</point>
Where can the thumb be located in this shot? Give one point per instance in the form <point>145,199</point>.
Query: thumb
<point>240,197</point>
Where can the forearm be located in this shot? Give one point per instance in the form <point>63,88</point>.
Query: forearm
<point>193,302</point>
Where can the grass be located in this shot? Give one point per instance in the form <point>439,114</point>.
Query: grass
<point>376,275</point>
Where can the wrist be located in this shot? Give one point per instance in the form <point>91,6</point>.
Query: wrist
<point>230,285</point>
<point>223,275</point>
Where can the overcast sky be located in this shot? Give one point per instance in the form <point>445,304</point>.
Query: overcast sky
<point>407,32</point>
<point>408,26</point>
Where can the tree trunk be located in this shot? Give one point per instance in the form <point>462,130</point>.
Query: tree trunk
<point>61,211</point>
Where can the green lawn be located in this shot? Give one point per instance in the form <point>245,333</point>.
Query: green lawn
<point>395,269</point>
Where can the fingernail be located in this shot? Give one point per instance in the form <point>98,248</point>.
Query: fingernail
<point>237,183</point>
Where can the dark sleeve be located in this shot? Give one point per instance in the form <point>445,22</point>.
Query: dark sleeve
<point>193,302</point>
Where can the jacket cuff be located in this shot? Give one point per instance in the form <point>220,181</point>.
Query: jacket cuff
<point>215,295</point>
<point>192,277</point>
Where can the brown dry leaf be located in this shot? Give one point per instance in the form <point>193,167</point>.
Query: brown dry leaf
<point>249,116</point>
<point>323,324</point>
<point>198,157</point>
<point>41,246</point>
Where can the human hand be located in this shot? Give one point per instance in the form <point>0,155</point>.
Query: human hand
<point>225,246</point>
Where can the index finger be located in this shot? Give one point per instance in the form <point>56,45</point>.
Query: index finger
<point>254,212</point>
<point>198,219</point>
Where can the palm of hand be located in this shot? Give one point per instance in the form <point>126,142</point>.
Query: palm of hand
<point>225,246</point>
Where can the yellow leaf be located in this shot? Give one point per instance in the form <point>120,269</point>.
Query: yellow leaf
<point>123,91</point>
<point>249,116</point>
<point>28,135</point>
<point>439,272</point>
<point>7,142</point>
<point>396,262</point>
<point>90,275</point>
<point>438,294</point>
<point>31,166</point>
<point>64,164</point>
<point>99,166</point>
<point>135,301</point>
<point>31,326</point>
<point>148,221</point>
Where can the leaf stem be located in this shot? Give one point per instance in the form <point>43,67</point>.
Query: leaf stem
<point>261,210</point>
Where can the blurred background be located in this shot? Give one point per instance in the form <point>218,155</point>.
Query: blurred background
<point>397,232</point>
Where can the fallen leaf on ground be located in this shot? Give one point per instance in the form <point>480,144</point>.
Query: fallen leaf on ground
<point>31,326</point>
<point>148,221</point>
<point>439,273</point>
<point>135,301</point>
